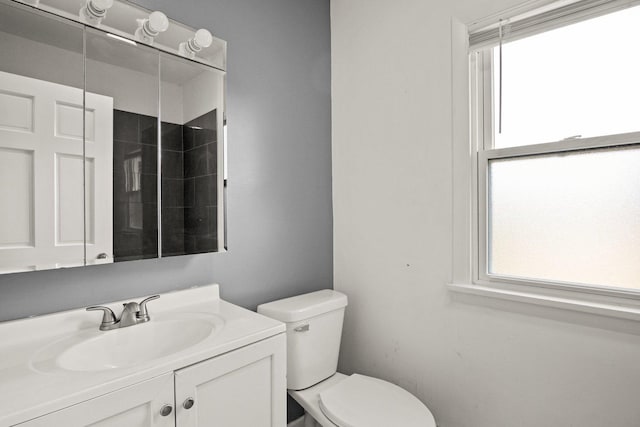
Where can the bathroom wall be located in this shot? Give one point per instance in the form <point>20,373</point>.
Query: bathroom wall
<point>475,362</point>
<point>279,189</point>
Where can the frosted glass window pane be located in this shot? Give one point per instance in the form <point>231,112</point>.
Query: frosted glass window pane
<point>582,79</point>
<point>567,217</point>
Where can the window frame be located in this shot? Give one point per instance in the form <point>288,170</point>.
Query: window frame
<point>481,114</point>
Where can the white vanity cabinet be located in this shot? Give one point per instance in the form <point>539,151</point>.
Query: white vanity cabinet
<point>242,388</point>
<point>136,406</point>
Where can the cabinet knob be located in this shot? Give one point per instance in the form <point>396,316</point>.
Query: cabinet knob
<point>188,404</point>
<point>166,410</point>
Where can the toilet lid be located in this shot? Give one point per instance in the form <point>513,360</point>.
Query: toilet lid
<point>361,401</point>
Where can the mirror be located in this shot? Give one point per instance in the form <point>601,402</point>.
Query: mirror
<point>121,158</point>
<point>110,150</point>
<point>192,218</point>
<point>41,146</point>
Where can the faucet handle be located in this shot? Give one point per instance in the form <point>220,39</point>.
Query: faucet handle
<point>143,314</point>
<point>108,316</point>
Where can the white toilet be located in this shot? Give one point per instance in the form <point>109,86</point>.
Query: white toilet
<point>314,329</point>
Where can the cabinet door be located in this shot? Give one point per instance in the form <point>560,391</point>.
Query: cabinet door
<point>136,406</point>
<point>246,387</point>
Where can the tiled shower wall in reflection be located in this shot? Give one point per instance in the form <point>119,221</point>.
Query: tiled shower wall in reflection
<point>135,209</point>
<point>189,188</point>
<point>200,184</point>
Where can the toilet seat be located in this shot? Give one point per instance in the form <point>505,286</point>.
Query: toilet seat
<point>361,401</point>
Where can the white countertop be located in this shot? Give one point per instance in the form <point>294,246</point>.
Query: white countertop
<point>27,392</point>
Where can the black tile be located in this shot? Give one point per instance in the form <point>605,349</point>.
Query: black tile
<point>150,216</point>
<point>204,136</point>
<point>212,158</point>
<point>120,151</point>
<point>149,159</point>
<point>206,243</point>
<point>172,164</point>
<point>200,131</point>
<point>119,193</point>
<point>118,154</point>
<point>171,137</point>
<point>195,220</point>
<point>188,138</point>
<point>172,193</point>
<point>173,221</point>
<point>212,219</point>
<point>125,126</point>
<point>195,162</point>
<point>120,212</point>
<point>172,231</point>
<point>150,230</point>
<point>208,120</point>
<point>189,186</point>
<point>123,151</point>
<point>148,130</point>
<point>189,244</point>
<point>205,190</point>
<point>128,240</point>
<point>149,183</point>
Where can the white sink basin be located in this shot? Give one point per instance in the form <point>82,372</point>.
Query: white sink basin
<point>94,350</point>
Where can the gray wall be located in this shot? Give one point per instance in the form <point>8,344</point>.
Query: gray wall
<point>279,194</point>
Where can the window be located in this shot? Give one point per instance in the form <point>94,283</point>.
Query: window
<point>556,123</point>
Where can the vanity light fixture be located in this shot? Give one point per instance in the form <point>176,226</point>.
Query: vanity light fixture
<point>201,39</point>
<point>150,27</point>
<point>94,11</point>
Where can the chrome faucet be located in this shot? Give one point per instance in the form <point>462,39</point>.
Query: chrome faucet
<point>132,314</point>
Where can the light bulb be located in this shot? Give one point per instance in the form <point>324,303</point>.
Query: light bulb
<point>201,39</point>
<point>148,28</point>
<point>94,11</point>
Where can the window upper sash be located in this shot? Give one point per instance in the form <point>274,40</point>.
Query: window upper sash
<point>540,20</point>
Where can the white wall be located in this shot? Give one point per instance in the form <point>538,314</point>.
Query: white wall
<point>209,82</point>
<point>475,362</point>
<point>132,91</point>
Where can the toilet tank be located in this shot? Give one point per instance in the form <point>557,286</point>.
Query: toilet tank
<point>314,329</point>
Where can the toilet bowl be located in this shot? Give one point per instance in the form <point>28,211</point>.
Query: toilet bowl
<point>329,398</point>
<point>365,402</point>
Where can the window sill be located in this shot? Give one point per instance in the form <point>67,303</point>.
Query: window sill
<point>619,311</point>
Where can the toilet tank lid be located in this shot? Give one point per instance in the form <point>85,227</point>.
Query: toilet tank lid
<point>304,306</point>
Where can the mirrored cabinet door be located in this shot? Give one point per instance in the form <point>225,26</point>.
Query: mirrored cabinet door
<point>41,141</point>
<point>121,146</point>
<point>110,150</point>
<point>192,104</point>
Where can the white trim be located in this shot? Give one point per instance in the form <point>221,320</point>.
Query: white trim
<point>584,306</point>
<point>580,288</point>
<point>467,129</point>
<point>537,20</point>
<point>462,157</point>
<point>607,141</point>
<point>521,9</point>
<point>482,134</point>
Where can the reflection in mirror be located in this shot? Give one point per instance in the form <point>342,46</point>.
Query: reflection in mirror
<point>191,139</point>
<point>41,150</point>
<point>110,150</point>
<point>121,149</point>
